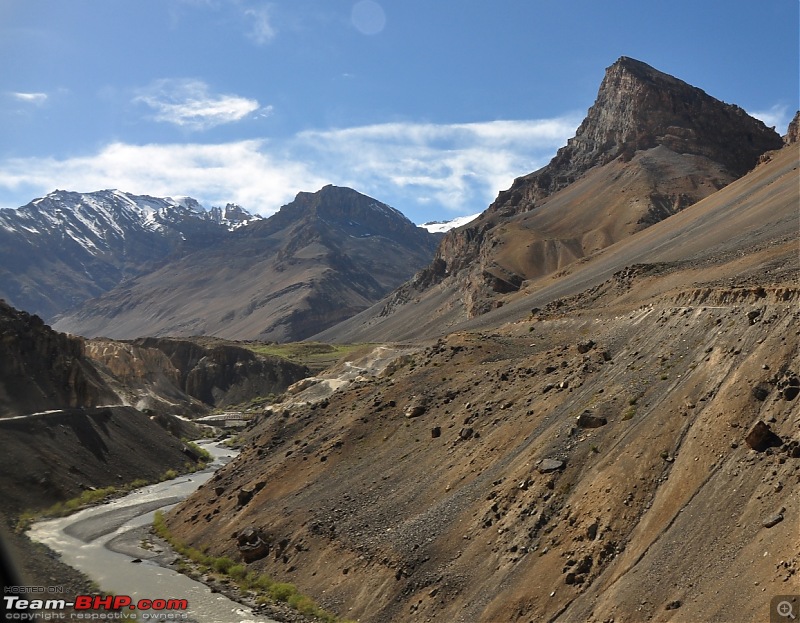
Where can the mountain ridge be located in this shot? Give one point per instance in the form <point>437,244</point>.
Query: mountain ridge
<point>61,249</point>
<point>320,259</point>
<point>589,451</point>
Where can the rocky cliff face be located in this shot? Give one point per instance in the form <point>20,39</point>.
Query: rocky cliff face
<point>223,375</point>
<point>650,146</point>
<point>638,108</point>
<point>793,134</point>
<point>41,369</point>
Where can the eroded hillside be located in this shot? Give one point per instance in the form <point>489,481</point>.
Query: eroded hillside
<point>589,462</point>
<point>617,441</point>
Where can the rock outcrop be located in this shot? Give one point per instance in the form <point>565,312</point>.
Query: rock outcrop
<point>41,369</point>
<point>793,133</point>
<point>222,375</point>
<point>639,108</point>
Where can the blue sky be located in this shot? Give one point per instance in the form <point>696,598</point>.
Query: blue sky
<point>432,106</point>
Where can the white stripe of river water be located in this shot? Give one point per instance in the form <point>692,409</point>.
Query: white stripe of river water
<point>83,541</point>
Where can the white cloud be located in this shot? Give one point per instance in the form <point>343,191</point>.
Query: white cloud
<point>778,116</point>
<point>189,103</point>
<point>242,172</point>
<point>30,98</point>
<point>261,29</point>
<point>428,168</point>
<point>456,165</point>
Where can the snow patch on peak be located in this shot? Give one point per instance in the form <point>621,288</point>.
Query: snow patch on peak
<point>386,209</point>
<point>439,227</point>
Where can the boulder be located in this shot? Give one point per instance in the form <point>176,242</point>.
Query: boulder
<point>417,407</point>
<point>790,392</point>
<point>550,465</point>
<point>760,391</point>
<point>243,496</point>
<point>761,437</point>
<point>252,544</point>
<point>773,521</point>
<point>588,420</point>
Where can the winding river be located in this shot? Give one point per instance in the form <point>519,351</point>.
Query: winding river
<point>103,543</point>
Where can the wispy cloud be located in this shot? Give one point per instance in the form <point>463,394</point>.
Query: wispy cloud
<point>458,168</point>
<point>256,18</point>
<point>777,116</point>
<point>454,165</point>
<point>189,103</point>
<point>262,30</point>
<point>36,99</point>
<point>243,172</point>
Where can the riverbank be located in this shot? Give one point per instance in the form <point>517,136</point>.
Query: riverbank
<point>112,544</point>
<point>151,547</point>
<point>32,564</point>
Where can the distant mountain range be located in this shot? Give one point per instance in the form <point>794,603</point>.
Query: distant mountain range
<point>123,266</point>
<point>440,227</point>
<point>67,247</point>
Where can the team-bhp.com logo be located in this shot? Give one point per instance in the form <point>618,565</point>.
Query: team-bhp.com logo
<point>93,607</point>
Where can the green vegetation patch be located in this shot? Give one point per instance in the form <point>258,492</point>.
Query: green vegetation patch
<point>262,585</point>
<point>315,355</point>
<point>91,497</point>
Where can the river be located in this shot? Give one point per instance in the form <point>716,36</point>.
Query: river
<point>101,542</point>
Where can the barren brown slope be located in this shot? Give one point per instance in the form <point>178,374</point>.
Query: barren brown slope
<point>455,514</point>
<point>463,487</point>
<point>41,369</point>
<point>757,211</point>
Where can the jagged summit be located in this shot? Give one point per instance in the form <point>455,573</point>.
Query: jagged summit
<point>638,108</point>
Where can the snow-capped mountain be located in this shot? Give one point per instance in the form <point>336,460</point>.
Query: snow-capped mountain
<point>92,218</point>
<point>232,216</point>
<point>440,227</point>
<point>68,246</point>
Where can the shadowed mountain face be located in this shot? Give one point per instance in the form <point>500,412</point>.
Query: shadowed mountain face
<point>41,369</point>
<point>321,259</point>
<point>650,146</point>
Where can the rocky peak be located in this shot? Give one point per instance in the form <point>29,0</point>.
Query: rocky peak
<point>675,145</point>
<point>232,216</point>
<point>793,133</point>
<point>346,210</point>
<point>638,108</point>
